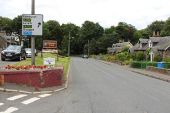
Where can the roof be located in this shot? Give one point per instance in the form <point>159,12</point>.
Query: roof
<point>123,44</point>
<point>163,43</point>
<point>143,40</point>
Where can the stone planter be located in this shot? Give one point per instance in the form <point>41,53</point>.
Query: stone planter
<point>35,78</point>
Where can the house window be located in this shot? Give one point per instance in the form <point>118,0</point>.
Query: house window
<point>154,43</point>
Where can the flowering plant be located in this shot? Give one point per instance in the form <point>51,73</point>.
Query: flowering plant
<point>25,67</point>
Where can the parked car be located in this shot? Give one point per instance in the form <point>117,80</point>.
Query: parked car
<point>13,52</point>
<point>85,56</point>
<point>28,52</point>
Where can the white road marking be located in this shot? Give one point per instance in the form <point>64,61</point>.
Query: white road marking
<point>44,95</point>
<point>1,104</point>
<point>10,110</point>
<point>16,97</point>
<point>31,100</point>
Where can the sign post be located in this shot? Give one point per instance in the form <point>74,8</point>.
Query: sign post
<point>32,26</point>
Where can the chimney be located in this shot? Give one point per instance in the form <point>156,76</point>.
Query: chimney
<point>157,33</point>
<point>154,33</point>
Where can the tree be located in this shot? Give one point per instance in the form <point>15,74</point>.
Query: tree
<point>90,30</point>
<point>73,30</point>
<point>110,30</point>
<point>156,26</point>
<point>5,24</point>
<point>166,29</point>
<point>17,24</point>
<point>125,31</point>
<point>52,31</point>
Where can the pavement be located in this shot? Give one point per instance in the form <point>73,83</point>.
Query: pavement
<point>145,72</point>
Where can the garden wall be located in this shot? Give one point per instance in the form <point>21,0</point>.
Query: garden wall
<point>36,78</point>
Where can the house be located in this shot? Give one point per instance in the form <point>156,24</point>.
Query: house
<point>6,40</point>
<point>159,46</point>
<point>118,47</point>
<point>3,41</point>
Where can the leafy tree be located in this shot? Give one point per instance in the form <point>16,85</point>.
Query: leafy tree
<point>17,24</point>
<point>110,30</point>
<point>156,26</point>
<point>125,31</point>
<point>5,24</point>
<point>90,30</point>
<point>53,31</point>
<point>166,28</point>
<point>73,31</point>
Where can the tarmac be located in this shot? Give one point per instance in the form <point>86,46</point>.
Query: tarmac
<point>11,87</point>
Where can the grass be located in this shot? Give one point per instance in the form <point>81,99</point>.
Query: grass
<point>60,61</point>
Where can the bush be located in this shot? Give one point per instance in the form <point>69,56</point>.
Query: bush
<point>167,59</point>
<point>158,58</point>
<point>167,65</point>
<point>140,56</point>
<point>123,56</point>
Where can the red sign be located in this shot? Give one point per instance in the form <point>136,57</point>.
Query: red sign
<point>49,44</point>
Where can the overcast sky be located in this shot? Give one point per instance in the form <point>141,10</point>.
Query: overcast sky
<point>139,13</point>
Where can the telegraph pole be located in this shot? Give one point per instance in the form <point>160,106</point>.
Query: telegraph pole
<point>69,44</point>
<point>88,48</point>
<point>33,38</point>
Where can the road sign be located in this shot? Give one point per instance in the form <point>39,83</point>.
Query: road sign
<point>49,61</point>
<point>32,24</point>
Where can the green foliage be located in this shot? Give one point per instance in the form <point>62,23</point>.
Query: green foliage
<point>166,29</point>
<point>142,65</point>
<point>125,31</point>
<point>6,24</point>
<point>123,56</point>
<point>157,58</point>
<point>167,59</point>
<point>138,56</point>
<point>156,26</point>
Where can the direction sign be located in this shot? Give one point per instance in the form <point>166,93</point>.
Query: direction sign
<point>32,24</point>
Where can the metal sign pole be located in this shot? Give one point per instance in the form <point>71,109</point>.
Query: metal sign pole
<point>33,38</point>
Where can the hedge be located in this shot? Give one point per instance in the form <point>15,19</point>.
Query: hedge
<point>144,64</point>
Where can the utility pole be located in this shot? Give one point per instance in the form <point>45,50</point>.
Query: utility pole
<point>69,44</point>
<point>33,38</point>
<point>88,49</point>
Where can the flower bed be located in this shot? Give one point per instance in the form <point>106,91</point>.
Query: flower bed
<point>36,76</point>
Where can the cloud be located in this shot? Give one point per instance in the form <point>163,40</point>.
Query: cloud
<point>139,13</point>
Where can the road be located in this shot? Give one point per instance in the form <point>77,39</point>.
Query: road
<point>96,87</point>
<point>7,62</point>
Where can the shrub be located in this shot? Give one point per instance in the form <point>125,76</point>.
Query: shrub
<point>167,59</point>
<point>140,56</point>
<point>123,56</point>
<point>158,58</point>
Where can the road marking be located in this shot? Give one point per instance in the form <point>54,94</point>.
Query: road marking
<point>16,97</point>
<point>31,100</point>
<point>10,110</point>
<point>1,104</point>
<point>44,95</point>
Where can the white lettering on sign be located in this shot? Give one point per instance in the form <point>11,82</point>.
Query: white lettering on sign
<point>32,24</point>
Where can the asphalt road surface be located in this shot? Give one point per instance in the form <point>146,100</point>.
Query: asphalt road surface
<point>95,87</point>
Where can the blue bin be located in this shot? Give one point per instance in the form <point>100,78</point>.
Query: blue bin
<point>160,65</point>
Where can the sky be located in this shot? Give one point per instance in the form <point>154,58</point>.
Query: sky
<point>138,13</point>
